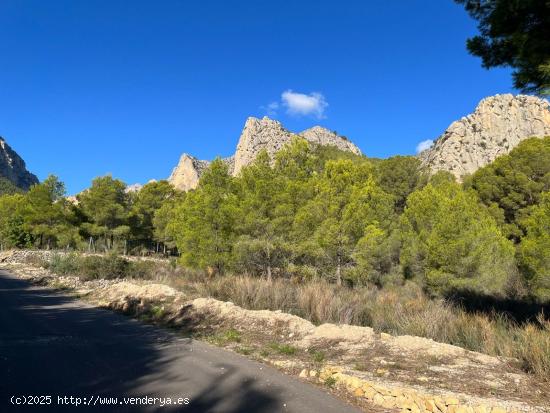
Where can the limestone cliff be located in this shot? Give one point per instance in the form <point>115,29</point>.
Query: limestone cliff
<point>257,135</point>
<point>13,168</point>
<point>322,136</point>
<point>498,124</point>
<point>186,174</point>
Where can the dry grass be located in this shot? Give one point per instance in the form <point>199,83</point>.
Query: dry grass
<point>396,310</point>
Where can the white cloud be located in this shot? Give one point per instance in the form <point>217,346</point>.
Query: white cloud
<point>300,104</point>
<point>271,109</point>
<point>422,146</point>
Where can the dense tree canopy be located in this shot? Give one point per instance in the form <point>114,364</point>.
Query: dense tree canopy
<point>513,183</point>
<point>534,251</point>
<point>452,242</point>
<point>317,212</point>
<point>514,33</point>
<point>7,187</point>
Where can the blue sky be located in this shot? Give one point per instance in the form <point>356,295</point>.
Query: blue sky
<point>111,86</point>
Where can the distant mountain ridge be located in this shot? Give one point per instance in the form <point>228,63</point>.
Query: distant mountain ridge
<point>13,168</point>
<point>498,124</point>
<point>257,135</point>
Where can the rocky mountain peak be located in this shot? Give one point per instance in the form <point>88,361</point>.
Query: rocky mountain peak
<point>257,135</point>
<point>13,168</point>
<point>186,174</point>
<point>323,136</point>
<point>498,124</point>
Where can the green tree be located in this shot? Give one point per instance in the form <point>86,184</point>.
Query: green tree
<point>261,247</point>
<point>7,187</point>
<point>12,229</point>
<point>400,176</point>
<point>534,250</point>
<point>450,241</point>
<point>513,183</point>
<point>105,205</point>
<point>46,214</point>
<point>204,223</point>
<point>161,221</point>
<point>326,227</point>
<point>144,206</point>
<point>514,33</point>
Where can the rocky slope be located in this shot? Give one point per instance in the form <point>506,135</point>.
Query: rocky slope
<point>186,174</point>
<point>13,168</point>
<point>498,124</point>
<point>258,134</point>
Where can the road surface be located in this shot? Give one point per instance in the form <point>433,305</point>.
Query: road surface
<point>54,345</point>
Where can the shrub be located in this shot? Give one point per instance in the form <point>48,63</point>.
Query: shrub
<point>108,267</point>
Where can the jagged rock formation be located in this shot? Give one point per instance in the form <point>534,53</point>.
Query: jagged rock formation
<point>13,168</point>
<point>186,174</point>
<point>322,136</point>
<point>257,135</point>
<point>498,124</point>
<point>268,134</point>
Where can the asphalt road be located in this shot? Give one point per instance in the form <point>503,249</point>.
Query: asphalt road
<point>53,345</point>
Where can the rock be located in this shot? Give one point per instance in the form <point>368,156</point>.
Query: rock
<point>131,188</point>
<point>325,137</point>
<point>452,401</point>
<point>338,333</point>
<point>430,406</point>
<point>313,373</point>
<point>270,135</point>
<point>385,336</point>
<point>303,374</point>
<point>257,135</point>
<point>186,174</point>
<point>440,405</point>
<point>378,399</point>
<point>358,392</point>
<point>382,372</point>
<point>369,392</point>
<point>498,124</point>
<point>13,168</point>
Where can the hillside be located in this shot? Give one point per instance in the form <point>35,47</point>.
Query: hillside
<point>13,168</point>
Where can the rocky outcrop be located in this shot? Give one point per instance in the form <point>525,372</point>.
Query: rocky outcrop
<point>498,124</point>
<point>257,135</point>
<point>268,134</point>
<point>186,174</point>
<point>13,168</point>
<point>325,137</point>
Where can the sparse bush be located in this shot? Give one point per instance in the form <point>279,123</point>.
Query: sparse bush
<point>285,349</point>
<point>63,264</point>
<point>108,267</point>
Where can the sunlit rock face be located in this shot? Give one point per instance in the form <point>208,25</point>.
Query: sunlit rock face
<point>498,124</point>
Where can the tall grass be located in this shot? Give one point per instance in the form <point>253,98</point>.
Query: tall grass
<point>397,310</point>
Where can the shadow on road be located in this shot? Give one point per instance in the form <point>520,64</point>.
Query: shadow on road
<point>53,345</point>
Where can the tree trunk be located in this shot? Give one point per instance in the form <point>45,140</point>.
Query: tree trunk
<point>339,272</point>
<point>269,277</point>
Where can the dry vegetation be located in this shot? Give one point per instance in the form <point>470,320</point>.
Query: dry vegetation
<point>398,310</point>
